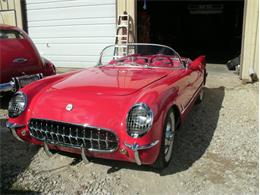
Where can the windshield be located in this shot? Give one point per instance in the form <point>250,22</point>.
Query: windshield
<point>10,34</point>
<point>140,54</point>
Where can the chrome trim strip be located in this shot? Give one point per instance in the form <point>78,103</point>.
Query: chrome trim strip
<point>193,98</point>
<point>13,127</point>
<point>136,147</point>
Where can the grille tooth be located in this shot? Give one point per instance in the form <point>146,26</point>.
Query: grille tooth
<point>60,138</point>
<point>91,139</point>
<point>106,140</point>
<point>99,139</point>
<point>80,141</point>
<point>71,135</point>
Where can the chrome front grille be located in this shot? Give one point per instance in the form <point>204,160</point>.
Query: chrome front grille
<point>73,135</point>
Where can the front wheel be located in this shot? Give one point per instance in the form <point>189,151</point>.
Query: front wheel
<point>167,141</point>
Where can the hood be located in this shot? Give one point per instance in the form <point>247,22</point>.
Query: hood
<point>96,94</point>
<point>109,81</point>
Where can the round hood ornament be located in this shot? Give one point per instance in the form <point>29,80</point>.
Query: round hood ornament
<point>69,107</point>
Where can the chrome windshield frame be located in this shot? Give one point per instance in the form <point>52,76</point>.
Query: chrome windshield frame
<point>137,44</point>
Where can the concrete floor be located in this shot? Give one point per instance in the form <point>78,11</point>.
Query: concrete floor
<point>219,75</point>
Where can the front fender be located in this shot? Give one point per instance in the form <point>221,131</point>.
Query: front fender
<point>33,90</point>
<point>160,98</point>
<point>49,68</point>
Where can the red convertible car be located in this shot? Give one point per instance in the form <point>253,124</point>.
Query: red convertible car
<point>20,62</point>
<point>126,108</point>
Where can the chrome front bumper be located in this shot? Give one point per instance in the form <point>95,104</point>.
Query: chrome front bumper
<point>18,82</point>
<point>10,86</point>
<point>13,127</point>
<point>136,147</point>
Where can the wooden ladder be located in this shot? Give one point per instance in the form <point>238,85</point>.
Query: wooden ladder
<point>122,35</point>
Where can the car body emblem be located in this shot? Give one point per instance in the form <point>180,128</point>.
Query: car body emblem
<point>69,107</point>
<point>20,60</point>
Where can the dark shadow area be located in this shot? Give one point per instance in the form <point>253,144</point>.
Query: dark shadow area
<point>4,99</point>
<point>212,28</point>
<point>15,158</point>
<point>118,165</point>
<point>192,139</point>
<point>21,192</point>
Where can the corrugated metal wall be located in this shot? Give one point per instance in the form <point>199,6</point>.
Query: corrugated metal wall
<point>71,32</point>
<point>11,13</point>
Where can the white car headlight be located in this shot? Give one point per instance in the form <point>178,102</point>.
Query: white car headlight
<point>139,120</point>
<point>17,104</point>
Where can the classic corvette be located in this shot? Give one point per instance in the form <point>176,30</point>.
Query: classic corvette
<point>127,108</point>
<point>20,62</point>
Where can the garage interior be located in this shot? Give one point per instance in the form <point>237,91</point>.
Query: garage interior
<point>213,28</point>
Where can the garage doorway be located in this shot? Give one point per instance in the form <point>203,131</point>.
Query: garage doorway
<point>213,28</point>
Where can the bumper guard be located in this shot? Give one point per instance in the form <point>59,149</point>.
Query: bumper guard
<point>136,147</point>
<point>13,127</point>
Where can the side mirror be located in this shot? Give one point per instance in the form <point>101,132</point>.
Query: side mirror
<point>198,64</point>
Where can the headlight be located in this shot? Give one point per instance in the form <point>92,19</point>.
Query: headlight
<point>17,104</point>
<point>139,120</point>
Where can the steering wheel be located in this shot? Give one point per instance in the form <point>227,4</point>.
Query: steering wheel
<point>161,56</point>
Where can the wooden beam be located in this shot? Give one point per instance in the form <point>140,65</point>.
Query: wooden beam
<point>249,54</point>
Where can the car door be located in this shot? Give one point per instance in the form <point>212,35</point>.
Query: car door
<point>185,88</point>
<point>196,80</point>
<point>197,74</point>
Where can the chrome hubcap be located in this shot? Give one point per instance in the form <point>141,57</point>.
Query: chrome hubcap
<point>169,137</point>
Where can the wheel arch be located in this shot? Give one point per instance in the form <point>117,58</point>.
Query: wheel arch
<point>177,113</point>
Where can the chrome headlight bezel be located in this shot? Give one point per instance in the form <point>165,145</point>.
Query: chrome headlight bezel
<point>12,107</point>
<point>134,129</point>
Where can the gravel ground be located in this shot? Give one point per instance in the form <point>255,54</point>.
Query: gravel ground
<point>216,152</point>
